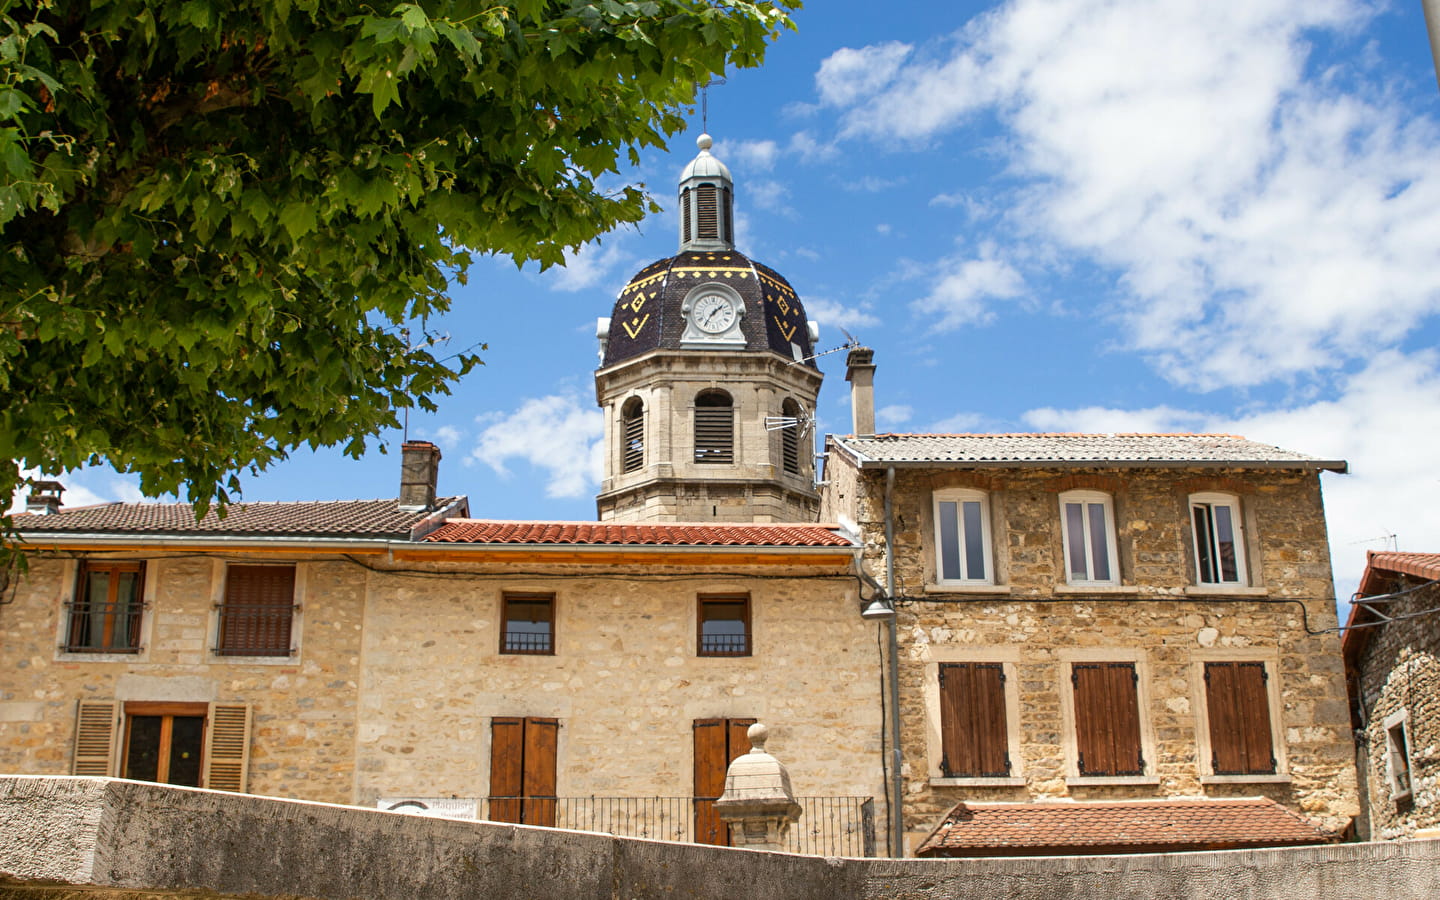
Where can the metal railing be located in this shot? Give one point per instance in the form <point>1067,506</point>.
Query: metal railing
<point>828,826</point>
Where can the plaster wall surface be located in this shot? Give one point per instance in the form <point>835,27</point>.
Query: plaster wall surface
<point>113,839</point>
<point>1037,625</point>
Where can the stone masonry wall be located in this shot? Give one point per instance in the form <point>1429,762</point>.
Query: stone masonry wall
<point>1400,673</point>
<point>399,675</point>
<point>1158,618</point>
<point>304,707</point>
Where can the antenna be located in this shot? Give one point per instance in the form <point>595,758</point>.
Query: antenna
<point>705,103</point>
<point>804,421</point>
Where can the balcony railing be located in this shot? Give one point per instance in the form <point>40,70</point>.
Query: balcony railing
<point>828,826</point>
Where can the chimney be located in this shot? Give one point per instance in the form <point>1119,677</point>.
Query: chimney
<point>419,468</point>
<point>860,372</point>
<point>44,499</point>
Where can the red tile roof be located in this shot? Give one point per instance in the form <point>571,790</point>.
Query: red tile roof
<point>1381,567</point>
<point>1421,565</point>
<point>479,531</point>
<point>1142,826</point>
<point>325,518</point>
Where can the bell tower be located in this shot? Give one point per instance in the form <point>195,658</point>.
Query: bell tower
<point>701,349</point>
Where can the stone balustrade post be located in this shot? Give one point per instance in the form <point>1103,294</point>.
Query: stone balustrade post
<point>758,804</point>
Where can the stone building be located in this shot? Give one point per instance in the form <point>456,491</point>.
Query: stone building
<point>587,675</point>
<point>1392,664</point>
<point>1101,617</point>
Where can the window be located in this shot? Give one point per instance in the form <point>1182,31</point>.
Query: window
<point>717,744</point>
<point>632,422</point>
<point>1397,755</point>
<point>195,744</point>
<point>1089,535</point>
<point>1107,719</point>
<point>1219,547</point>
<point>790,437</point>
<point>522,770</point>
<point>109,601</point>
<point>529,624</point>
<point>962,538</point>
<point>973,733</point>
<point>1237,703</point>
<point>257,611</point>
<point>724,625</point>
<point>714,428</point>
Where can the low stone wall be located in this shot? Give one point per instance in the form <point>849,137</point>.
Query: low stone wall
<point>124,839</point>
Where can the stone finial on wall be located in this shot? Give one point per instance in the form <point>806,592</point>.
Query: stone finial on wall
<point>758,804</point>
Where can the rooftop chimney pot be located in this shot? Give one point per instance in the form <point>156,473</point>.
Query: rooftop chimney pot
<point>44,499</point>
<point>860,372</point>
<point>419,470</point>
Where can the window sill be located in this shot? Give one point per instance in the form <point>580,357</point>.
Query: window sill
<point>236,659</point>
<point>1245,779</point>
<point>1104,780</point>
<point>1225,590</point>
<point>126,657</point>
<point>1080,590</point>
<point>967,588</point>
<point>1007,781</point>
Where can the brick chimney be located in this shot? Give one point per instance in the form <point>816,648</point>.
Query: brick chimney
<point>419,469</point>
<point>44,499</point>
<point>860,372</point>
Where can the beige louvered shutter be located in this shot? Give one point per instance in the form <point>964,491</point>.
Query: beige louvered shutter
<point>94,738</point>
<point>227,747</point>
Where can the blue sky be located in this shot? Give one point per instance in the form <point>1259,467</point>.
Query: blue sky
<point>1044,215</point>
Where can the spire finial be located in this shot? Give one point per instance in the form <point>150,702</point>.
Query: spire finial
<point>704,142</point>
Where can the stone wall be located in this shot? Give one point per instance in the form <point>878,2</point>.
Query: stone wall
<point>1035,624</point>
<point>399,674</point>
<point>115,840</point>
<point>1400,678</point>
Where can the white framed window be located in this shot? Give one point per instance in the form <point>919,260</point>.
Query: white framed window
<point>1219,542</point>
<point>962,538</point>
<point>1397,754</point>
<point>1087,523</point>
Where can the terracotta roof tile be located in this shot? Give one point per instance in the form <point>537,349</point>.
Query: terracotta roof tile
<point>1100,449</point>
<point>324,518</point>
<point>1421,565</point>
<point>1036,829</point>
<point>478,531</point>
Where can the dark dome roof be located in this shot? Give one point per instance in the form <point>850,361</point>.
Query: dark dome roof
<point>647,313</point>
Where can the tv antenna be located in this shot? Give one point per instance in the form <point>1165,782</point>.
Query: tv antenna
<point>803,420</point>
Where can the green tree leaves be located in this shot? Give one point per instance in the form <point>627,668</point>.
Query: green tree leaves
<point>220,218</point>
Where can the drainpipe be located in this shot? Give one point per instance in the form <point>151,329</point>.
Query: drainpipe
<point>897,805</point>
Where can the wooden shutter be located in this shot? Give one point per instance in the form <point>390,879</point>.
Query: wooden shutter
<point>973,733</point>
<point>227,747</point>
<point>717,743</point>
<point>258,610</point>
<point>507,754</point>
<point>707,216</point>
<point>541,739</point>
<point>1239,709</point>
<point>94,738</point>
<point>1107,719</point>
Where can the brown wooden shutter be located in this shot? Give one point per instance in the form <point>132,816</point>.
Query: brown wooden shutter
<point>1107,719</point>
<point>94,738</point>
<point>717,743</point>
<point>973,734</point>
<point>1239,710</point>
<point>541,743</point>
<point>259,607</point>
<point>227,747</point>
<point>507,754</point>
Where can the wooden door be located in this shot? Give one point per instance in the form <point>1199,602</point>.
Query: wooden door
<point>717,743</point>
<point>522,770</point>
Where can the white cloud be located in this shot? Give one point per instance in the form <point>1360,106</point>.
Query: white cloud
<point>86,487</point>
<point>894,414</point>
<point>1265,222</point>
<point>759,155</point>
<point>556,433</point>
<point>810,150</point>
<point>960,294</point>
<point>849,74</point>
<point>832,314</point>
<point>883,228</point>
<point>591,264</point>
<point>873,184</point>
<point>1382,419</point>
<point>960,423</point>
<point>447,437</point>
<point>768,194</point>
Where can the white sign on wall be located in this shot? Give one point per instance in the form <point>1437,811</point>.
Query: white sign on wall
<point>437,807</point>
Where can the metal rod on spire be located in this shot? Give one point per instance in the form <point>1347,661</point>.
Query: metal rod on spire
<point>705,103</point>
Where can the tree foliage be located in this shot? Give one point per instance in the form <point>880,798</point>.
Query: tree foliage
<point>219,217</point>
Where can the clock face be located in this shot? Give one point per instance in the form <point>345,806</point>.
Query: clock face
<point>712,314</point>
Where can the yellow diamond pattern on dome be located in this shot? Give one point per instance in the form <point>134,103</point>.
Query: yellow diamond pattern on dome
<point>633,327</point>
<point>784,307</point>
<point>786,329</point>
